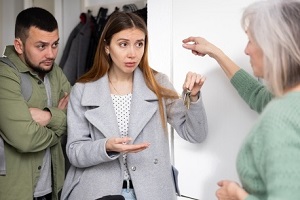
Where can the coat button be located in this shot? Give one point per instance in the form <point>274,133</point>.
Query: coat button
<point>155,161</point>
<point>133,168</point>
<point>39,167</point>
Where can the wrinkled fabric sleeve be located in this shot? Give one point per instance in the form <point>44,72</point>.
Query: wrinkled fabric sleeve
<point>254,93</point>
<point>190,124</point>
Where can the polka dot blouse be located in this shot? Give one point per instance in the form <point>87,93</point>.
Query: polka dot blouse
<point>122,109</point>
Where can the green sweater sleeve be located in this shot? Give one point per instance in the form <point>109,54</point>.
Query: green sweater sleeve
<point>251,197</point>
<point>254,93</point>
<point>269,161</point>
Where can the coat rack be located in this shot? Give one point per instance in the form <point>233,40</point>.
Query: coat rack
<point>111,5</point>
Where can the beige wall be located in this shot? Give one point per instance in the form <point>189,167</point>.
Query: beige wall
<point>8,13</point>
<point>1,29</point>
<point>49,5</point>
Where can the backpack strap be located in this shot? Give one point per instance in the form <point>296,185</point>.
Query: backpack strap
<point>26,87</point>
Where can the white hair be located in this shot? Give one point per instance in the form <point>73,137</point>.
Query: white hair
<point>275,26</point>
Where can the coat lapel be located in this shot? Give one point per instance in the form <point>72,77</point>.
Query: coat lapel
<point>101,114</point>
<point>143,105</point>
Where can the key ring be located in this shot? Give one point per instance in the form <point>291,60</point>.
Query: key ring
<point>187,98</point>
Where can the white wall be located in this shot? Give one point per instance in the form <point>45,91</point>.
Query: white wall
<point>201,166</point>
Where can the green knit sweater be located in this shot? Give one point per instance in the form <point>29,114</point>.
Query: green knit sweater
<point>268,163</point>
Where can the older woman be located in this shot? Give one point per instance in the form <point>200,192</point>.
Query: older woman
<point>268,163</point>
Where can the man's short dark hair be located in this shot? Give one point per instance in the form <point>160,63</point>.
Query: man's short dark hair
<point>34,17</point>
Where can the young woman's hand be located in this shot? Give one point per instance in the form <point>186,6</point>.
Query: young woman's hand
<point>121,145</point>
<point>193,82</point>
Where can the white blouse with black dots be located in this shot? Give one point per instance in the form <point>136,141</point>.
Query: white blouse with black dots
<point>122,109</point>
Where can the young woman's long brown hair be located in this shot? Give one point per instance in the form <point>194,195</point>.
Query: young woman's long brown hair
<point>117,22</point>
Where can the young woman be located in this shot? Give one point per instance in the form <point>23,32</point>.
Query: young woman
<point>117,119</point>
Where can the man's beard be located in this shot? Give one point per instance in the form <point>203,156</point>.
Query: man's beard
<point>37,68</point>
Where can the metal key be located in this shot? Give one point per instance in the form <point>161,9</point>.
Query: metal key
<point>187,98</point>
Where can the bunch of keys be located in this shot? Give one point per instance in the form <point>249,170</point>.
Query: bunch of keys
<point>187,98</point>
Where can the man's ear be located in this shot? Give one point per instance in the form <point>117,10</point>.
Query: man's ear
<point>18,46</point>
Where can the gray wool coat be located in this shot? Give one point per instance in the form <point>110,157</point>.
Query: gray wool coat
<point>91,121</point>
